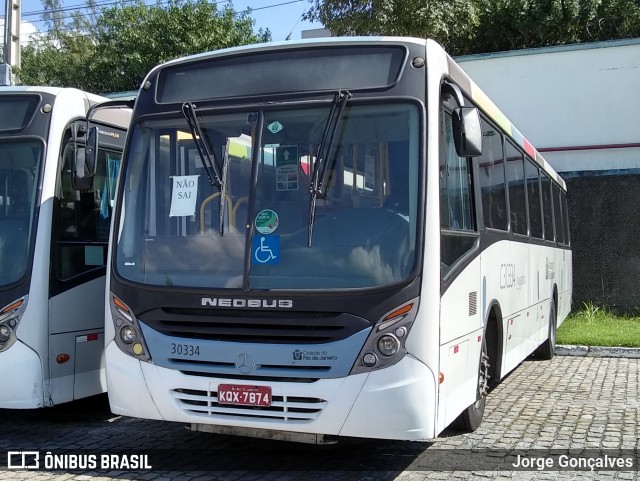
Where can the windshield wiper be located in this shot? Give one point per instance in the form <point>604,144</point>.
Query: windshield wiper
<point>325,147</point>
<point>223,185</point>
<point>215,172</point>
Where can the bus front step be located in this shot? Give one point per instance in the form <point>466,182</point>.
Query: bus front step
<point>307,438</point>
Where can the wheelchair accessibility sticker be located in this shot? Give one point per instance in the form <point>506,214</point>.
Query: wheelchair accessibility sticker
<point>266,249</point>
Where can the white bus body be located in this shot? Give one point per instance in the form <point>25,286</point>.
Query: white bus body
<point>53,242</point>
<point>377,300</point>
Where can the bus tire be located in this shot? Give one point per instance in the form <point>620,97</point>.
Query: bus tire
<point>547,349</point>
<point>471,417</point>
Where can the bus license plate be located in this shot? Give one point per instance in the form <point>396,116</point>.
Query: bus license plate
<point>241,395</point>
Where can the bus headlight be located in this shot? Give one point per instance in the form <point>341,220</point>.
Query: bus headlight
<point>369,359</point>
<point>128,334</point>
<point>385,345</point>
<point>388,345</point>
<point>10,316</point>
<point>5,333</point>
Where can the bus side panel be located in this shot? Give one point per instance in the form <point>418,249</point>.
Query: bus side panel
<point>506,267</point>
<point>565,284</point>
<point>542,277</point>
<point>77,316</point>
<point>461,323</point>
<point>536,294</point>
<point>459,360</point>
<point>61,373</point>
<point>78,309</point>
<point>90,377</point>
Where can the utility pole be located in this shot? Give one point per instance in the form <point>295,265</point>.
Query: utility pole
<point>11,41</point>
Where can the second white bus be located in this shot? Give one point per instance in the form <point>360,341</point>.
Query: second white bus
<point>57,185</point>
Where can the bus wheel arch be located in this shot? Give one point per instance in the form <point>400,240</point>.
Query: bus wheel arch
<point>494,336</point>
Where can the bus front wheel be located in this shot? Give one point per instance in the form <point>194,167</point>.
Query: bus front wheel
<point>471,417</point>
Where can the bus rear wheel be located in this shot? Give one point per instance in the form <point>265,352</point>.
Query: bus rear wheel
<point>547,349</point>
<point>471,417</point>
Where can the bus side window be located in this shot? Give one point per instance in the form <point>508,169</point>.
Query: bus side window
<point>565,216</point>
<point>457,222</point>
<point>517,195</point>
<point>491,178</point>
<point>557,211</point>
<point>533,194</point>
<point>547,207</point>
<point>84,216</point>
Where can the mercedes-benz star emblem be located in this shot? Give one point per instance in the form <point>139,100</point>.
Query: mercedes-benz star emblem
<point>245,363</point>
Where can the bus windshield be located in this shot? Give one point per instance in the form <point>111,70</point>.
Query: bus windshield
<point>19,167</point>
<point>364,230</point>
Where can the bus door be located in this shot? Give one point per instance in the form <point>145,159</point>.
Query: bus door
<point>461,309</point>
<point>82,216</point>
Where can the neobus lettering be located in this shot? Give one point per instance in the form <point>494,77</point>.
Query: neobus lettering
<point>250,303</point>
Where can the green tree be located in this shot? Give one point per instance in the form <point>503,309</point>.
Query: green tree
<point>113,50</point>
<point>508,24</point>
<point>451,22</point>
<point>57,57</point>
<point>473,26</point>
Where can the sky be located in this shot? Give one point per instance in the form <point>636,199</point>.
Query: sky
<point>281,17</point>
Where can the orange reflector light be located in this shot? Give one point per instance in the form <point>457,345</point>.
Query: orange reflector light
<point>120,304</point>
<point>62,358</point>
<point>12,307</point>
<point>441,378</point>
<point>399,312</point>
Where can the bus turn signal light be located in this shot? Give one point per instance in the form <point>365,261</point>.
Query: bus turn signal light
<point>13,306</point>
<point>121,305</point>
<point>399,312</point>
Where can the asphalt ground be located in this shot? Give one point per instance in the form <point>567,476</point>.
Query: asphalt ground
<point>574,417</point>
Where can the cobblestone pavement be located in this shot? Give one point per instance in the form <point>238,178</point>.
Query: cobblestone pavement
<point>568,410</point>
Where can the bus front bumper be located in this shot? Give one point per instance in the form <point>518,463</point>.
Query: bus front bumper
<point>22,380</point>
<point>398,402</point>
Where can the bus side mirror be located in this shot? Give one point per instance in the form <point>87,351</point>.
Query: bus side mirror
<point>467,134</point>
<point>85,162</point>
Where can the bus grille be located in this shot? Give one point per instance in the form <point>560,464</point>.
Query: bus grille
<point>254,326</point>
<point>291,409</point>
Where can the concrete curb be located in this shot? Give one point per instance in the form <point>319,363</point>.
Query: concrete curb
<point>598,351</point>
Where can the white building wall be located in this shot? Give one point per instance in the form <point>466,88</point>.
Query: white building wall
<point>585,96</point>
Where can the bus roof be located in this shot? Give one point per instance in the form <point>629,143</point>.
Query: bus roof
<point>118,117</point>
<point>52,91</point>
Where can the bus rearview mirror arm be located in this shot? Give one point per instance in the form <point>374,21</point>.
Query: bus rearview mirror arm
<point>86,158</point>
<point>85,161</point>
<point>467,134</point>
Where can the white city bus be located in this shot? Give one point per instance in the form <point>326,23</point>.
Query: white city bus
<point>338,237</point>
<point>54,227</point>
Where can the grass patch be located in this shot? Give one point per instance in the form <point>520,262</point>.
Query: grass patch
<point>594,326</point>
